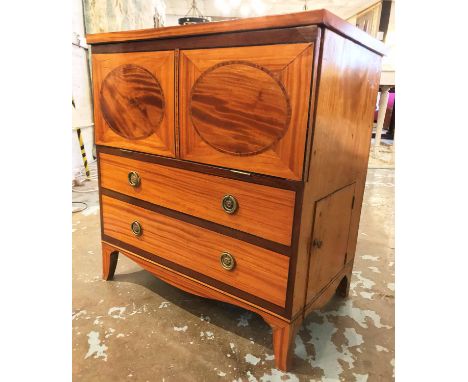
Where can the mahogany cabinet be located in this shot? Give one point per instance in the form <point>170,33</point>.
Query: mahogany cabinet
<point>233,155</point>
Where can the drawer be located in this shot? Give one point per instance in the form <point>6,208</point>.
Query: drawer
<point>263,211</point>
<point>246,107</point>
<point>257,271</point>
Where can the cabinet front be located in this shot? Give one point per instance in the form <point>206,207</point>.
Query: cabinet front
<point>134,101</point>
<point>246,107</point>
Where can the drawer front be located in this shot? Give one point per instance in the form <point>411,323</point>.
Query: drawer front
<point>134,101</point>
<point>246,107</point>
<point>257,271</point>
<point>263,211</point>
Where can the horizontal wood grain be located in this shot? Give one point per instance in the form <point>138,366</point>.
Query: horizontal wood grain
<point>250,177</point>
<point>194,286</point>
<point>316,17</point>
<point>201,195</point>
<point>260,37</point>
<point>215,227</point>
<point>258,271</point>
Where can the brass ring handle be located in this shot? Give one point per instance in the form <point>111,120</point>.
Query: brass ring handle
<point>229,204</point>
<point>134,179</point>
<point>227,261</point>
<point>136,228</point>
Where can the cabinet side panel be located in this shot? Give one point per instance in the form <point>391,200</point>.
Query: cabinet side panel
<point>346,97</point>
<point>347,93</point>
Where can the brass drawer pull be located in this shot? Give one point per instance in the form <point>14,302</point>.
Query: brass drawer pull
<point>134,179</point>
<point>229,204</point>
<point>136,228</point>
<point>227,261</point>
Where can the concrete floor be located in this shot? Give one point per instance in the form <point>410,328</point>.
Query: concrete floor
<point>137,328</point>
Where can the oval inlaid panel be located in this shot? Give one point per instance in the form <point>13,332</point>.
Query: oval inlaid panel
<point>132,102</point>
<point>239,108</point>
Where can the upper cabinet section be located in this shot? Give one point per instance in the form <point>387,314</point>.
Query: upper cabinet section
<point>246,107</point>
<point>134,101</point>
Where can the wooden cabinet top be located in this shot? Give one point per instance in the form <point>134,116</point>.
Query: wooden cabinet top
<point>318,17</point>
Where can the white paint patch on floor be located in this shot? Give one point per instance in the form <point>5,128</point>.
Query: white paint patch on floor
<point>279,376</point>
<point>95,346</point>
<point>205,318</point>
<point>97,321</point>
<point>164,304</point>
<point>381,348</point>
<point>371,258</point>
<point>374,269</point>
<point>252,359</point>
<point>221,374</point>
<point>207,335</point>
<point>391,286</point>
<point>367,295</point>
<point>327,355</point>
<point>77,315</point>
<point>361,281</point>
<point>250,377</point>
<point>141,309</point>
<point>300,349</point>
<point>354,338</point>
<point>361,377</point>
<point>119,309</point>
<point>269,357</point>
<point>109,332</point>
<point>233,346</point>
<point>181,328</point>
<point>347,309</point>
<point>244,319</point>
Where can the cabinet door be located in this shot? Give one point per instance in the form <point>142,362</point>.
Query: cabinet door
<point>246,108</point>
<point>134,101</point>
<point>329,239</point>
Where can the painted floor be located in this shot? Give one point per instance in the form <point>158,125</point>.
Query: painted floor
<point>137,328</point>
